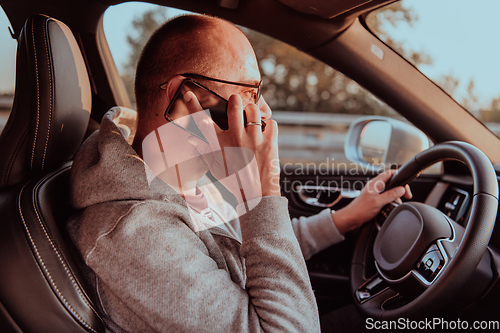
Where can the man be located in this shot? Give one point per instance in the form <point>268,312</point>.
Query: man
<point>153,267</point>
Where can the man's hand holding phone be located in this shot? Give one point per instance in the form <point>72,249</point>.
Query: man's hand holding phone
<point>263,144</point>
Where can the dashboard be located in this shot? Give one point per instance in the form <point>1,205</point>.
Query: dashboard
<point>451,200</point>
<point>452,195</point>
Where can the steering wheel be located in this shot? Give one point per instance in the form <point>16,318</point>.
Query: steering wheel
<point>423,258</point>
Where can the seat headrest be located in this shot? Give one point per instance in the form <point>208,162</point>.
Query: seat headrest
<point>52,101</point>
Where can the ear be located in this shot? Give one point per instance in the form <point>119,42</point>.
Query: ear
<point>172,85</point>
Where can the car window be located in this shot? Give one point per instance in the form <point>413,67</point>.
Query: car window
<point>7,68</point>
<point>312,103</point>
<point>453,43</point>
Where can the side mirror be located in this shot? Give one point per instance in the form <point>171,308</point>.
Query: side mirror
<point>379,142</point>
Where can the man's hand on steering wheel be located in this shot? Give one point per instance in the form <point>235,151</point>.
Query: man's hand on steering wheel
<point>390,273</point>
<point>369,203</point>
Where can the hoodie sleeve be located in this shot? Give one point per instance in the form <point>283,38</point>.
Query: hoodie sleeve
<point>156,274</point>
<point>316,233</point>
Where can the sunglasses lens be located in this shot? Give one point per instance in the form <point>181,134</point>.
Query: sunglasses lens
<point>259,92</point>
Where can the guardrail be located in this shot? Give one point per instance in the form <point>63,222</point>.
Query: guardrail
<point>287,118</point>
<point>6,102</point>
<point>313,119</point>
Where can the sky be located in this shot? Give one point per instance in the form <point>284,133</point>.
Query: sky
<point>461,39</point>
<point>467,48</point>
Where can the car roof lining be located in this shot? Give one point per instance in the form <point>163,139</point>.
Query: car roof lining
<point>324,9</point>
<point>294,25</point>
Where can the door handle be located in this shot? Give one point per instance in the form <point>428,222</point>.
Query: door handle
<point>324,196</point>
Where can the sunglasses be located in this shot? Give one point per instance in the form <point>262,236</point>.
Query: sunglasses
<point>214,104</point>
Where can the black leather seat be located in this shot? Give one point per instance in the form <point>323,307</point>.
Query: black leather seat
<point>41,287</point>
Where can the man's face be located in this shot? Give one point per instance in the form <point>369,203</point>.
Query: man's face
<point>237,63</point>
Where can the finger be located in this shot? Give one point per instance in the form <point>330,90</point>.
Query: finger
<point>271,131</point>
<point>205,124</point>
<point>192,102</point>
<point>253,116</point>
<point>235,113</point>
<point>377,184</point>
<point>408,195</point>
<point>208,129</point>
<point>392,195</point>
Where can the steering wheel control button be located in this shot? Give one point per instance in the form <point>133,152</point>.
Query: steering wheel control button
<point>454,203</point>
<point>408,232</point>
<point>370,289</point>
<point>431,263</point>
<point>363,295</point>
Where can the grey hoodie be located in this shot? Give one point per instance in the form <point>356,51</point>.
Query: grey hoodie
<point>153,273</point>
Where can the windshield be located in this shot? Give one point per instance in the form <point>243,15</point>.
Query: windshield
<point>313,104</point>
<point>453,43</point>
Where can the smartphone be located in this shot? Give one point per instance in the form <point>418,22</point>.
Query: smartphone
<point>214,104</point>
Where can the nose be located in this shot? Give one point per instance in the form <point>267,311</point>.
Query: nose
<point>265,110</point>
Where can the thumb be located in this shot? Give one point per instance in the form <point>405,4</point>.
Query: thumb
<point>191,102</point>
<point>207,127</point>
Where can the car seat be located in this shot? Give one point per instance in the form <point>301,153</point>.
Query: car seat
<point>41,286</point>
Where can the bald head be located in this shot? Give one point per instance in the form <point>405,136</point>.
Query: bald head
<point>191,44</point>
